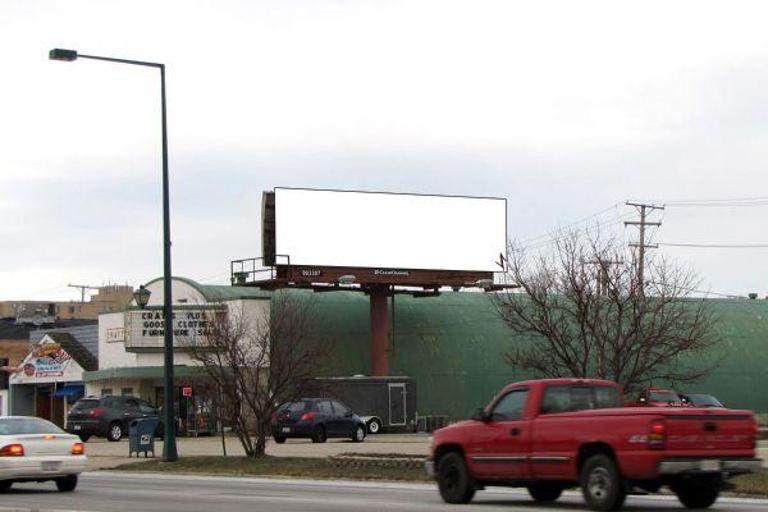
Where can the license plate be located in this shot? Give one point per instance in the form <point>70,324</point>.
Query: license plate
<point>76,427</point>
<point>710,465</point>
<point>50,465</point>
<point>286,430</point>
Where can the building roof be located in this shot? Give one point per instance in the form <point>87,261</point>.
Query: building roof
<point>216,293</point>
<point>10,330</point>
<point>141,372</point>
<point>73,347</point>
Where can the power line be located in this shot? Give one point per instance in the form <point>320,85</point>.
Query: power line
<point>717,246</point>
<point>574,223</point>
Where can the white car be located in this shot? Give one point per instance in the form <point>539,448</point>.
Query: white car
<point>35,450</point>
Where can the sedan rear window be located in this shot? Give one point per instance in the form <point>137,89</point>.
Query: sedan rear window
<point>85,405</point>
<point>296,406</point>
<point>21,426</point>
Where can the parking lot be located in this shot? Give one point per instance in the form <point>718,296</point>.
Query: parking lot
<point>103,454</point>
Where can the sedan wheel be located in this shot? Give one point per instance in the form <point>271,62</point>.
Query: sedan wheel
<point>359,435</point>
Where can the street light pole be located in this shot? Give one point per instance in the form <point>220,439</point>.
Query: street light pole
<point>170,453</point>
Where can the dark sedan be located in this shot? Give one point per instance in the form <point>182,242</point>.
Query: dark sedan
<point>316,419</point>
<point>700,400</point>
<point>108,416</point>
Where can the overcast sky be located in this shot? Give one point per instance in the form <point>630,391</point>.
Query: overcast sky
<point>567,109</point>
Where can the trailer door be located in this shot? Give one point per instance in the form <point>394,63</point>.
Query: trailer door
<point>397,404</point>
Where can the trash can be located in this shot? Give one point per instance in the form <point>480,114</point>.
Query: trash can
<point>141,436</point>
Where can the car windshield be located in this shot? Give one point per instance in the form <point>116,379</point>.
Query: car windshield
<point>664,396</point>
<point>20,426</point>
<point>704,401</point>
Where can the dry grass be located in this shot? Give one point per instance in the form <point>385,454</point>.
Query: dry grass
<point>296,467</point>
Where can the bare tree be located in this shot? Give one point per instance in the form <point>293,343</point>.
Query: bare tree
<point>579,312</point>
<point>258,362</point>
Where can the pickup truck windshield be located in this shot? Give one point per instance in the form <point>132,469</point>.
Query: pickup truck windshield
<point>567,398</point>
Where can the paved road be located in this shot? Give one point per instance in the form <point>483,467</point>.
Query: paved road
<point>109,491</point>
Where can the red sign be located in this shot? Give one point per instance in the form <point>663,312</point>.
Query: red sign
<point>186,391</point>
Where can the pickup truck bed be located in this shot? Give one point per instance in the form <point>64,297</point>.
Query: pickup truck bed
<point>548,435</point>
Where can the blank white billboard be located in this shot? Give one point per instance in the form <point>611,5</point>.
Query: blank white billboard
<point>384,230</point>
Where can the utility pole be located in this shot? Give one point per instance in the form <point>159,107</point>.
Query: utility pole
<point>602,273</point>
<point>643,209</point>
<point>83,288</point>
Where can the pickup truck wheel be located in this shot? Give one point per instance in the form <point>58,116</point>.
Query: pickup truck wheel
<point>453,480</point>
<point>601,484</point>
<point>696,493</point>
<point>545,491</point>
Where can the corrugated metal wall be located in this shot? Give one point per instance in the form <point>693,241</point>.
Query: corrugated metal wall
<point>455,345</point>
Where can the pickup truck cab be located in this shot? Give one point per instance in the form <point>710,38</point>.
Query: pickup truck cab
<point>549,435</point>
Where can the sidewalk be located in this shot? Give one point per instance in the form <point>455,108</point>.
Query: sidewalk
<point>103,454</point>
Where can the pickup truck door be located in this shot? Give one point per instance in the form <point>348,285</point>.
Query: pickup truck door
<point>500,445</point>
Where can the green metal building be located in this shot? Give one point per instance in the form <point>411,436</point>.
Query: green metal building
<point>454,345</point>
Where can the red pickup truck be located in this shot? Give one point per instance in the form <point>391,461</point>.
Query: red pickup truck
<point>549,435</point>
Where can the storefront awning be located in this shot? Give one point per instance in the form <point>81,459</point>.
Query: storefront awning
<point>75,390</point>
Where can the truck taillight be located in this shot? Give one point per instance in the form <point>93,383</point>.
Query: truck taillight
<point>78,449</point>
<point>12,450</point>
<point>657,435</point>
<point>308,416</point>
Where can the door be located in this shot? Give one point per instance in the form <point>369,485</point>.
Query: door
<point>397,404</point>
<point>328,417</point>
<point>500,445</point>
<point>344,419</point>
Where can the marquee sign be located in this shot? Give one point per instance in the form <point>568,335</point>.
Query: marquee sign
<point>146,328</point>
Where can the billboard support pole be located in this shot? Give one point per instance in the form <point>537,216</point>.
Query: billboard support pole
<point>379,330</point>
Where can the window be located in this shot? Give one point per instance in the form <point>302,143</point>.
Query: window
<point>556,399</point>
<point>607,397</point>
<point>324,407</point>
<point>510,407</point>
<point>106,391</point>
<point>21,426</point>
<point>146,408</point>
<point>296,407</point>
<point>126,391</point>
<point>579,398</point>
<point>340,408</point>
<point>132,404</point>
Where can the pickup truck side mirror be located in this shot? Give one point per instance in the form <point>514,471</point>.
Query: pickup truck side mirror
<point>481,415</point>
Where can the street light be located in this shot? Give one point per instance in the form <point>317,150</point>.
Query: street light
<point>141,296</point>
<point>170,453</point>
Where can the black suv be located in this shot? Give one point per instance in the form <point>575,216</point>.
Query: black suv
<point>108,416</point>
<point>317,419</point>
